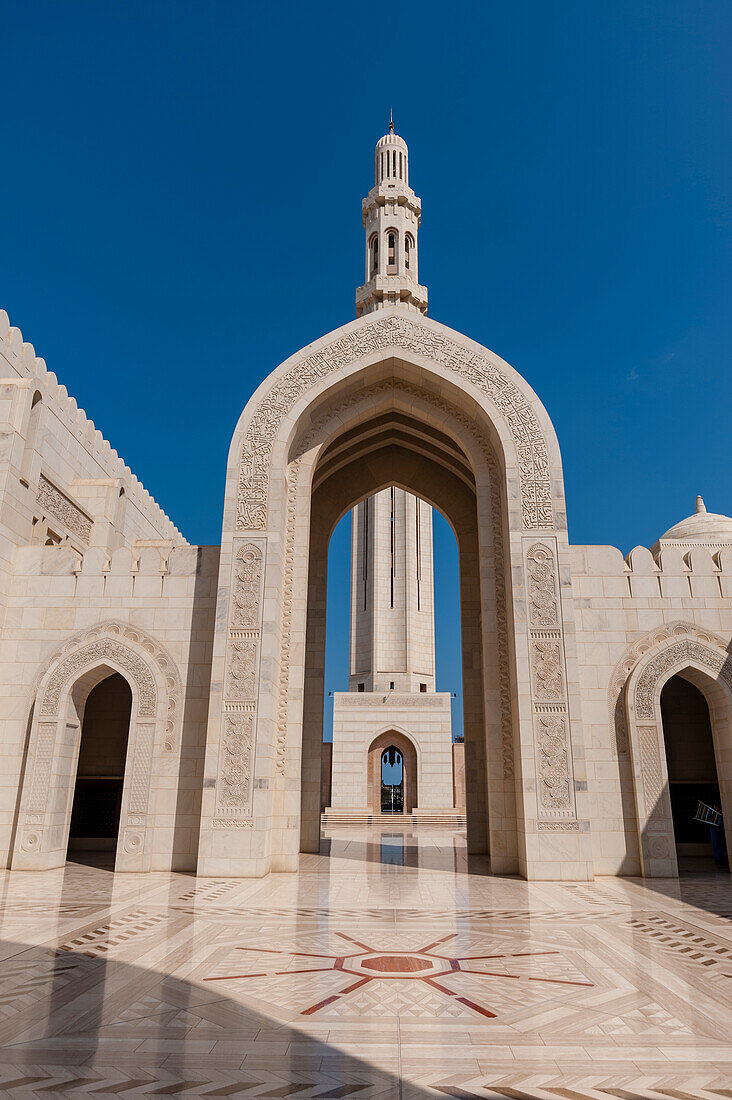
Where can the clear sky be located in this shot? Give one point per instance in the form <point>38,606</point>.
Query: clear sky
<point>181,195</point>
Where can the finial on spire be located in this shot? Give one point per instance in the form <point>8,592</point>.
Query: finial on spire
<point>391,121</point>
<point>700,506</point>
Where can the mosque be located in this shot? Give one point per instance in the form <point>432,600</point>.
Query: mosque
<point>164,702</point>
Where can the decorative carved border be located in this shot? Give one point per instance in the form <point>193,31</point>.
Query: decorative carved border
<point>239,720</point>
<point>548,684</point>
<point>108,631</point>
<point>380,336</point>
<point>626,664</point>
<point>666,659</point>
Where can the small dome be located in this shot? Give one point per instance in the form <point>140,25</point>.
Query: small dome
<point>703,527</point>
<point>391,141</point>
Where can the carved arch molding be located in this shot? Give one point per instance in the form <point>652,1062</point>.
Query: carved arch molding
<point>137,655</point>
<point>383,335</point>
<point>617,706</point>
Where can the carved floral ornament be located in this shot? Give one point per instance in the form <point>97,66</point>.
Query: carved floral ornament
<point>130,649</point>
<point>379,336</point>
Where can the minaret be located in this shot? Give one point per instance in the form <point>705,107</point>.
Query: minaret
<point>391,215</point>
<point>392,595</point>
<point>392,708</point>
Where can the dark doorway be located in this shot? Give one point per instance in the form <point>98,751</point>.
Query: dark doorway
<point>392,781</point>
<point>692,774</point>
<point>100,773</point>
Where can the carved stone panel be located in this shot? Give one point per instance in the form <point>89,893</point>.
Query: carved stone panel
<point>555,782</point>
<point>651,770</point>
<point>243,653</point>
<point>43,760</point>
<point>546,661</point>
<point>235,772</point>
<point>239,720</point>
<point>142,762</point>
<point>554,791</point>
<point>247,586</point>
<point>57,504</point>
<point>543,601</point>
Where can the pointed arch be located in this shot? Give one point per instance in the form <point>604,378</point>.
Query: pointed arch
<point>62,687</point>
<point>703,658</point>
<point>394,398</point>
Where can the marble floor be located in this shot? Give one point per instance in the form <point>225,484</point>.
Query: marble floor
<point>391,966</point>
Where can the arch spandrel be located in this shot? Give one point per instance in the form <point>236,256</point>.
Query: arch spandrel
<point>519,420</point>
<point>701,656</point>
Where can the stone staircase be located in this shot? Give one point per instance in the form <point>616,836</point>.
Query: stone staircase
<point>433,819</point>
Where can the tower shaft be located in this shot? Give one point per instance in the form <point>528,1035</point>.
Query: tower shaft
<point>392,594</point>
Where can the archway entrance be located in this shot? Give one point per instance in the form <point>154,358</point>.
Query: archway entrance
<point>97,804</point>
<point>692,775</point>
<point>392,399</point>
<point>392,774</point>
<point>392,781</point>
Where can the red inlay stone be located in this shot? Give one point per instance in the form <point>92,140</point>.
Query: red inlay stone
<point>393,964</point>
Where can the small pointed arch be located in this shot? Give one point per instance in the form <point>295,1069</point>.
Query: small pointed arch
<point>58,701</point>
<point>392,253</point>
<point>408,251</point>
<point>400,741</point>
<point>373,255</point>
<point>704,659</point>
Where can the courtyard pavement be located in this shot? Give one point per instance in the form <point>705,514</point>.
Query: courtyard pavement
<point>391,965</point>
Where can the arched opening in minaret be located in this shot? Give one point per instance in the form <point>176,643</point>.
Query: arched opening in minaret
<point>391,252</point>
<point>692,776</point>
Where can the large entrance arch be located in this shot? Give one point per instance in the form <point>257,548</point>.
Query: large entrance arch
<point>390,399</point>
<point>702,659</point>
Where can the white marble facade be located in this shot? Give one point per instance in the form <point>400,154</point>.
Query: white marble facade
<point>566,649</point>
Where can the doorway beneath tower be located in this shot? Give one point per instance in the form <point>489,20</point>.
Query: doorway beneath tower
<point>393,647</point>
<point>392,781</point>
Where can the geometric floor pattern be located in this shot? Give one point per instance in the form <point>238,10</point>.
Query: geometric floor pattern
<point>390,966</point>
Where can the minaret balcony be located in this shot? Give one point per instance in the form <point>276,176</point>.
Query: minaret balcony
<point>391,289</point>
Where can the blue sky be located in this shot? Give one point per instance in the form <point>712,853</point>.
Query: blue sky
<point>181,211</point>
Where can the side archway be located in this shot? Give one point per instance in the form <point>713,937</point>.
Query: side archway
<point>410,777</point>
<point>62,689</point>
<point>702,658</point>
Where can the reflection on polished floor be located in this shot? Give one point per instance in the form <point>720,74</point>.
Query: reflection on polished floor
<point>390,966</point>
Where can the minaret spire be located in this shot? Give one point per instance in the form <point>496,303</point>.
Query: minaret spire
<point>391,215</point>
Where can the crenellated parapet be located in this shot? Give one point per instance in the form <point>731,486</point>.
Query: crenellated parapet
<point>145,569</point>
<point>19,364</point>
<point>602,571</point>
